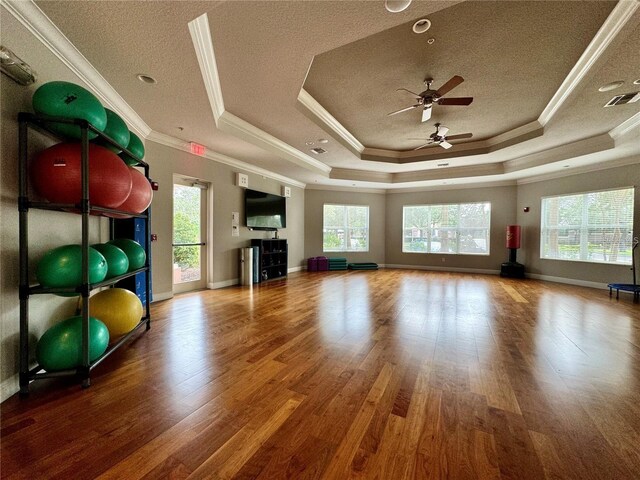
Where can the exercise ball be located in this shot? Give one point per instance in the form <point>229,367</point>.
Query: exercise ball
<point>117,260</point>
<point>136,147</point>
<point>62,267</point>
<point>60,348</point>
<point>56,174</point>
<point>116,130</point>
<point>140,197</point>
<point>134,251</point>
<point>120,310</point>
<point>68,100</point>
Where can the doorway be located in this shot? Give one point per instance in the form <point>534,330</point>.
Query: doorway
<point>189,235</point>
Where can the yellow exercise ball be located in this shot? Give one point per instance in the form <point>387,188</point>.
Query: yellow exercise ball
<point>118,308</point>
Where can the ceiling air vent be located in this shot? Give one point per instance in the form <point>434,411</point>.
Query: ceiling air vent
<point>318,150</point>
<point>623,99</point>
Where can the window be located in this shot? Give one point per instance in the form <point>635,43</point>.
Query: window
<point>463,228</point>
<point>345,228</point>
<point>588,227</point>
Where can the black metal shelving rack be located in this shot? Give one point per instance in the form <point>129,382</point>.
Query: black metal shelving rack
<point>39,123</point>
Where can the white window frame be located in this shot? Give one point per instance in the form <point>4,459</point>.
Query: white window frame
<point>456,229</point>
<point>582,227</point>
<point>346,228</point>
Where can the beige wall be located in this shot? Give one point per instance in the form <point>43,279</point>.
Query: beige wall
<point>530,195</point>
<point>314,202</point>
<point>226,197</point>
<point>46,229</point>
<point>503,200</point>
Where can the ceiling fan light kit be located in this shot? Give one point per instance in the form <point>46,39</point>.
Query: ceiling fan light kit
<point>428,97</point>
<point>439,137</point>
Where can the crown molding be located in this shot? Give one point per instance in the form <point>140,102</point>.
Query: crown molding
<point>227,121</point>
<point>617,19</point>
<point>203,45</point>
<point>448,173</point>
<point>316,112</point>
<point>244,130</point>
<point>595,167</point>
<point>625,127</point>
<point>506,139</point>
<point>41,27</point>
<point>361,175</point>
<point>454,186</point>
<point>586,146</point>
<point>183,146</point>
<point>337,188</point>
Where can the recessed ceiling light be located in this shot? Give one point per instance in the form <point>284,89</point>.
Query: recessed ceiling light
<point>431,41</point>
<point>323,140</point>
<point>146,79</point>
<point>396,6</point>
<point>180,129</point>
<point>421,25</point>
<point>611,86</point>
<point>309,144</point>
<point>636,82</point>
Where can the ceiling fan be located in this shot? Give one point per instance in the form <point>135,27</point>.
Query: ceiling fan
<point>427,98</point>
<point>439,137</point>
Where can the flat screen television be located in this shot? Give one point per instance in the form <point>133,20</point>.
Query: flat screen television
<point>264,211</point>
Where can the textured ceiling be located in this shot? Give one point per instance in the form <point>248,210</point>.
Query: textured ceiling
<point>513,56</point>
<point>513,61</point>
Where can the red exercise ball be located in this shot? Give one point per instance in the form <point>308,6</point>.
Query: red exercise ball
<point>56,174</point>
<point>140,197</point>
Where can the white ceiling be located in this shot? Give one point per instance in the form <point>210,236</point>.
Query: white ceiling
<point>533,68</point>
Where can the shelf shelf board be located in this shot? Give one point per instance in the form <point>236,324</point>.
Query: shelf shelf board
<point>39,289</point>
<point>73,208</point>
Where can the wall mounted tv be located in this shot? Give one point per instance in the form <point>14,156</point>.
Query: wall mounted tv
<point>264,211</point>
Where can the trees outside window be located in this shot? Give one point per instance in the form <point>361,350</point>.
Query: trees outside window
<point>345,228</point>
<point>589,227</point>
<point>457,228</point>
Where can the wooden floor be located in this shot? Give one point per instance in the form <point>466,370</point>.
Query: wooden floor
<point>391,374</point>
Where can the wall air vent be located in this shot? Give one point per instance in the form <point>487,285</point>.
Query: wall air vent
<point>318,150</point>
<point>443,164</point>
<point>623,99</point>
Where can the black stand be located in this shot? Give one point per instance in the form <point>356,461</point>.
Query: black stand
<point>512,268</point>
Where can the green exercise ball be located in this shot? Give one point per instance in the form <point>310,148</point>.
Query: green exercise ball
<point>117,130</point>
<point>136,147</point>
<point>117,260</point>
<point>68,100</point>
<point>62,267</point>
<point>60,348</point>
<point>134,251</point>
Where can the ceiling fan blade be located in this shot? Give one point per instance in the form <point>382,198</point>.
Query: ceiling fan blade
<point>455,101</point>
<point>442,131</point>
<point>445,144</point>
<point>403,110</point>
<point>422,146</point>
<point>450,85</point>
<point>417,95</point>
<point>460,136</point>
<point>426,113</point>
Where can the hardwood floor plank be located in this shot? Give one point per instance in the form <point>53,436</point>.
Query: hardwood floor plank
<point>393,374</point>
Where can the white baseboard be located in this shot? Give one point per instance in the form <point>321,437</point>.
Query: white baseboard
<point>296,269</point>
<point>443,269</point>
<point>223,284</point>
<point>568,281</point>
<point>9,386</point>
<point>158,297</point>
